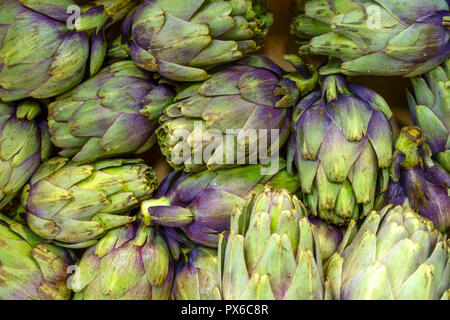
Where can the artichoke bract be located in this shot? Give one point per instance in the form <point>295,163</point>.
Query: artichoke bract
<point>238,116</point>
<point>342,146</point>
<point>44,50</point>
<point>416,182</point>
<point>112,114</point>
<point>201,203</point>
<point>24,144</point>
<point>396,254</point>
<point>376,37</point>
<point>131,262</point>
<point>272,251</point>
<point>329,236</point>
<point>197,278</point>
<point>182,39</point>
<point>429,105</point>
<point>74,205</point>
<point>30,268</point>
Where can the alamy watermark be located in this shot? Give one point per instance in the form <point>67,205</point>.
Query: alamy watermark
<point>373,17</point>
<point>73,17</point>
<point>232,147</point>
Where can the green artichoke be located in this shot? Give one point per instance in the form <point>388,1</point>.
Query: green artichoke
<point>24,144</point>
<point>396,254</point>
<point>112,114</point>
<point>430,110</point>
<point>197,279</point>
<point>376,37</point>
<point>200,204</point>
<point>183,39</point>
<point>30,268</point>
<point>342,145</point>
<point>74,205</point>
<point>238,116</point>
<point>131,262</point>
<point>272,252</point>
<point>41,54</point>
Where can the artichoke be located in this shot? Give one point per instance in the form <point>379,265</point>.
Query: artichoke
<point>376,37</point>
<point>240,115</point>
<point>272,252</point>
<point>41,54</point>
<point>24,144</point>
<point>112,114</point>
<point>201,203</point>
<point>183,39</point>
<point>396,254</point>
<point>430,110</point>
<point>74,205</point>
<point>197,278</point>
<point>30,268</point>
<point>342,145</point>
<point>417,182</point>
<point>131,262</point>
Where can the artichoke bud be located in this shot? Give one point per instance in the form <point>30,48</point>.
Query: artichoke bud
<point>101,118</point>
<point>196,280</point>
<point>105,270</point>
<point>275,256</point>
<point>97,197</point>
<point>30,268</point>
<point>395,255</point>
<point>24,144</point>
<point>373,38</point>
<point>218,33</point>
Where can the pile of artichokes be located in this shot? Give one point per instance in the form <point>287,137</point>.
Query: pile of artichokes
<point>285,185</point>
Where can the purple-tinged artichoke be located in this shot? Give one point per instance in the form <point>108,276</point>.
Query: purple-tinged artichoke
<point>197,279</point>
<point>114,113</point>
<point>131,262</point>
<point>31,268</point>
<point>183,39</point>
<point>376,37</point>
<point>417,182</point>
<point>201,203</point>
<point>342,146</point>
<point>238,116</point>
<point>24,144</point>
<point>74,205</point>
<point>430,110</point>
<point>396,255</point>
<point>45,46</point>
<point>271,252</point>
